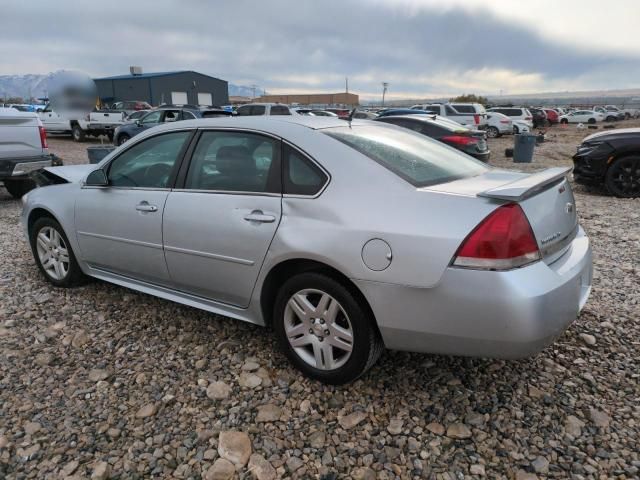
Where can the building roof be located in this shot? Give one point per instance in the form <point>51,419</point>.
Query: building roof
<point>151,75</point>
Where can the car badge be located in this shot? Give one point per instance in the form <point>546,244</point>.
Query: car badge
<point>569,207</point>
<point>562,189</point>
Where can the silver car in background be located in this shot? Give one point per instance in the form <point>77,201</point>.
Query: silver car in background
<point>345,238</point>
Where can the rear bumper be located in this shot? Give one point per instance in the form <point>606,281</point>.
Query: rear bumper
<point>483,157</point>
<point>22,167</point>
<point>508,314</point>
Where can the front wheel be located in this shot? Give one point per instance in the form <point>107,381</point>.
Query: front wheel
<point>53,254</point>
<point>623,177</point>
<point>324,330</point>
<point>591,121</point>
<point>564,121</point>
<point>492,132</point>
<point>17,188</point>
<point>122,139</point>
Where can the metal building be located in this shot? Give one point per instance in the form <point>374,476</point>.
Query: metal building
<point>182,87</point>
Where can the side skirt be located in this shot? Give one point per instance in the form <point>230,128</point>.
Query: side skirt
<point>174,295</point>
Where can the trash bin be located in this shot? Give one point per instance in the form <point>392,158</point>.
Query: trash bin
<point>97,153</point>
<point>523,145</point>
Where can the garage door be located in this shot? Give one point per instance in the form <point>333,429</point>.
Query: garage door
<point>205,99</point>
<point>179,98</point>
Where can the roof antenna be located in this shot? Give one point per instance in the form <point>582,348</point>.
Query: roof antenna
<point>350,117</point>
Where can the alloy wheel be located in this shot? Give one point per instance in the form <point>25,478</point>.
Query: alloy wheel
<point>52,253</point>
<point>318,329</point>
<point>625,177</point>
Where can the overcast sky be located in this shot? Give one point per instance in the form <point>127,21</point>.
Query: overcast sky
<point>422,48</point>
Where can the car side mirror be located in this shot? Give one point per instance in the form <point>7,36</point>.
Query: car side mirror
<point>97,178</point>
<point>139,123</point>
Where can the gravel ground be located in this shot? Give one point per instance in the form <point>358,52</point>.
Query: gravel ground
<point>103,382</point>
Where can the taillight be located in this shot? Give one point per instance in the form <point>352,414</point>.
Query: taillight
<point>476,119</point>
<point>505,121</point>
<point>459,139</point>
<point>502,241</point>
<point>528,118</point>
<point>43,137</point>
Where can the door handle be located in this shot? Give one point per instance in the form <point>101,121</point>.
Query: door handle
<point>259,216</point>
<point>145,207</point>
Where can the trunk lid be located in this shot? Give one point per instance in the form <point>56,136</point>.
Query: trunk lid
<point>545,197</point>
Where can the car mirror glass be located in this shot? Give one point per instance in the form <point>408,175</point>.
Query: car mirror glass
<point>97,178</point>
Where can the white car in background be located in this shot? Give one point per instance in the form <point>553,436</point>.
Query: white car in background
<point>582,116</point>
<point>498,125</point>
<point>521,117</point>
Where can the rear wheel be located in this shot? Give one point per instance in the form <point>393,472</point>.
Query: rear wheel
<point>53,254</point>
<point>516,130</point>
<point>122,139</point>
<point>492,132</point>
<point>17,188</point>
<point>623,177</point>
<point>77,133</point>
<point>564,121</point>
<point>324,330</point>
<point>591,121</point>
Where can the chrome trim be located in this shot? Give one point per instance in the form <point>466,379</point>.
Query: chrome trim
<point>123,240</point>
<point>560,245</point>
<point>230,192</point>
<point>147,189</point>
<point>214,256</point>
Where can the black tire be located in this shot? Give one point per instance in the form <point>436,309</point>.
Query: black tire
<point>564,121</point>
<point>623,177</point>
<point>77,133</point>
<point>366,345</point>
<point>610,118</point>
<point>122,139</point>
<point>591,121</point>
<point>17,188</point>
<point>627,116</point>
<point>74,275</point>
<point>516,130</point>
<point>493,132</point>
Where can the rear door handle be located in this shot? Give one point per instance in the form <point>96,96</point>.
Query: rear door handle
<point>145,207</point>
<point>259,216</point>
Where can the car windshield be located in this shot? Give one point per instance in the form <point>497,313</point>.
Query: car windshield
<point>416,158</point>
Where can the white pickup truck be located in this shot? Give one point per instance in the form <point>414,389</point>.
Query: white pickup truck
<point>23,149</point>
<point>81,124</point>
<point>472,115</point>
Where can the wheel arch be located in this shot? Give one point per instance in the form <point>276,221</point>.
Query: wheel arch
<point>280,272</point>
<point>36,214</point>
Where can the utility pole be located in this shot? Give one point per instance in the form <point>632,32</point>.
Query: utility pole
<point>346,84</point>
<point>385,86</point>
<point>253,89</point>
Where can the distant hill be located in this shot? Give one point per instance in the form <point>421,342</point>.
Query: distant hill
<point>34,85</point>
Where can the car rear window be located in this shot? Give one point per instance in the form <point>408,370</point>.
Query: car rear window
<point>415,158</point>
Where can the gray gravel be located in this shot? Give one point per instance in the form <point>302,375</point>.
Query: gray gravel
<point>102,382</point>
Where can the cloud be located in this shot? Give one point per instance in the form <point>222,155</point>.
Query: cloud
<point>420,48</point>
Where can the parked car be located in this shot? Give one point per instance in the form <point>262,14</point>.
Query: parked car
<point>495,260</point>
<point>498,125</point>
<point>582,116</point>
<point>629,112</point>
<point>519,115</point>
<point>340,112</point>
<point>552,116</point>
<point>362,115</point>
<point>130,106</point>
<point>258,109</point>
<point>609,115</point>
<point>81,124</point>
<point>315,112</point>
<point>23,149</point>
<point>611,159</point>
<point>136,115</point>
<point>521,126</point>
<point>161,115</point>
<point>471,142</point>
<point>539,117</point>
<point>404,111</point>
<point>472,115</point>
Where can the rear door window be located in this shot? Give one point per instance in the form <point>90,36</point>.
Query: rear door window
<point>280,110</point>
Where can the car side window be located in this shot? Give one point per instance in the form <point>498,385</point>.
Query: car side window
<point>258,110</point>
<point>449,110</point>
<point>153,117</point>
<point>188,115</point>
<point>235,162</point>
<point>171,116</point>
<point>280,110</point>
<point>301,175</point>
<point>243,111</point>
<point>148,164</point>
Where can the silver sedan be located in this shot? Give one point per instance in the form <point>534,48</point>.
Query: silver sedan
<point>343,238</point>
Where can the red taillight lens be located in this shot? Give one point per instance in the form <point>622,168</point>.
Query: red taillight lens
<point>476,119</point>
<point>502,241</point>
<point>43,137</point>
<point>459,140</point>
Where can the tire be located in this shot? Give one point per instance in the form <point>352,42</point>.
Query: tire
<point>627,116</point>
<point>316,340</point>
<point>77,133</point>
<point>610,118</point>
<point>17,188</point>
<point>591,121</point>
<point>48,240</point>
<point>516,130</point>
<point>623,177</point>
<point>122,139</point>
<point>493,132</point>
<point>564,121</point>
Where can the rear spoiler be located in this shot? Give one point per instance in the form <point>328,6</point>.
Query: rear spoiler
<point>525,187</point>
